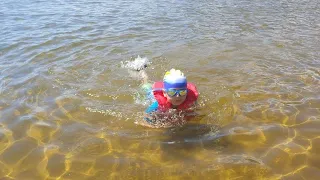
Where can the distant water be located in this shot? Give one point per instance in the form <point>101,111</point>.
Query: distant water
<point>68,107</point>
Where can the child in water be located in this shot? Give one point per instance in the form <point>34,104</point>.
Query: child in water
<point>173,93</point>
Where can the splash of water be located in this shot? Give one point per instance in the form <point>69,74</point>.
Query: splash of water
<point>171,118</point>
<point>137,64</point>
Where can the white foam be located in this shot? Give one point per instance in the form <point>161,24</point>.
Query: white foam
<point>137,64</point>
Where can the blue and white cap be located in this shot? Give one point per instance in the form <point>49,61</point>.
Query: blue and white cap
<point>174,79</point>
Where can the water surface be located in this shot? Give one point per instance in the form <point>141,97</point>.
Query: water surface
<point>68,107</point>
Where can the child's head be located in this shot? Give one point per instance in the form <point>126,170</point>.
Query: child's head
<point>175,87</point>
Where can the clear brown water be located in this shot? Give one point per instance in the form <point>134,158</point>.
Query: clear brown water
<point>67,107</point>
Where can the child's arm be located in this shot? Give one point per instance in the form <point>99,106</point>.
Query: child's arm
<point>145,77</point>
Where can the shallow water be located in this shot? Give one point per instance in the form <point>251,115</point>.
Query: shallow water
<point>68,107</point>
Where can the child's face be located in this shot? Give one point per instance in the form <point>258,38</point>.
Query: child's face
<point>175,100</point>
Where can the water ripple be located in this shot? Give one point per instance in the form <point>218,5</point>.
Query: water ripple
<point>68,107</point>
